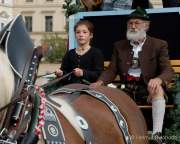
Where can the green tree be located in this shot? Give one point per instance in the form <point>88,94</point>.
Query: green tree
<point>57,47</point>
<point>72,8</point>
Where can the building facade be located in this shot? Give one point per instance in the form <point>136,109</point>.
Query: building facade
<point>6,13</point>
<point>42,17</point>
<point>156,3</point>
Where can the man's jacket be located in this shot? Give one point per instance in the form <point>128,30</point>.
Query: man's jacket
<point>154,61</point>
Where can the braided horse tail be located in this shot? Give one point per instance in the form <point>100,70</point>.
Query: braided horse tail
<point>6,80</point>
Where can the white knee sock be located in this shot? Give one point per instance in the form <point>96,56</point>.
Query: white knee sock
<point>158,111</point>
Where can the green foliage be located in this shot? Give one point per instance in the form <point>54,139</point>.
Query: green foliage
<point>173,128</point>
<point>71,8</point>
<point>57,45</point>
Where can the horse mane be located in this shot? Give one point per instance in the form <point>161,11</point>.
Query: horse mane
<point>68,112</point>
<point>6,80</point>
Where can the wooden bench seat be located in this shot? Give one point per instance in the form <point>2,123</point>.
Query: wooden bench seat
<point>176,65</point>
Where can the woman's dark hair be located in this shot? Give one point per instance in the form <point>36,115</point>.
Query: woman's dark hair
<point>86,23</point>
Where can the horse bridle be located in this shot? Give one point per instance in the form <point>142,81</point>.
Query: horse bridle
<point>4,114</point>
<point>16,121</point>
<point>57,80</point>
<point>29,123</point>
<point>24,93</point>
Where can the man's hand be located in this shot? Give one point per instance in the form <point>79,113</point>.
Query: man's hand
<point>78,72</point>
<point>96,84</point>
<point>154,86</point>
<point>58,72</point>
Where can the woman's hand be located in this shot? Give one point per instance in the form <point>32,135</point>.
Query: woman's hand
<point>58,72</point>
<point>78,72</point>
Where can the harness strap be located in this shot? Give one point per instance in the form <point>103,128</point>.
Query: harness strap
<point>26,115</point>
<point>87,133</point>
<point>103,98</point>
<point>22,120</point>
<point>56,80</point>
<point>18,91</point>
<point>32,70</point>
<point>52,130</point>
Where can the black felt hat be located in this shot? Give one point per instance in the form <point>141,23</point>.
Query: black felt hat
<point>139,13</point>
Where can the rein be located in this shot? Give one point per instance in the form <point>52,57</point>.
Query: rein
<point>56,80</point>
<point>43,75</point>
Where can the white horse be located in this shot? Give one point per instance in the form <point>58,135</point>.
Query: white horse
<point>6,80</point>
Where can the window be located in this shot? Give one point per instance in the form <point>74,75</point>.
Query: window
<point>48,23</point>
<point>28,23</point>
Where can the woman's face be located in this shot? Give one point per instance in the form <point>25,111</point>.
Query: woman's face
<point>83,35</point>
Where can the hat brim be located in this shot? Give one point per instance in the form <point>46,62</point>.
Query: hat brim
<point>138,17</point>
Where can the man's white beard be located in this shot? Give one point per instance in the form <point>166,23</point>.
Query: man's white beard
<point>135,35</point>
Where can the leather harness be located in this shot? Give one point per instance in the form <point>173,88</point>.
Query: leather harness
<point>103,98</point>
<point>85,129</point>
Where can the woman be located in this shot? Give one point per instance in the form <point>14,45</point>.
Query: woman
<point>85,62</point>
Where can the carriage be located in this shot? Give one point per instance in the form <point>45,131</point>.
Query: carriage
<point>71,114</point>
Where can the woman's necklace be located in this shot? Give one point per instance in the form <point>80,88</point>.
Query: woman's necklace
<point>82,51</point>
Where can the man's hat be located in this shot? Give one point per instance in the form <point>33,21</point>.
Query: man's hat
<point>139,13</point>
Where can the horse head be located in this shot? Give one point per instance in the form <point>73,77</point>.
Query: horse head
<point>19,62</point>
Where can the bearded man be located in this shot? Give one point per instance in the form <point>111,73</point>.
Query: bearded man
<point>143,59</point>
